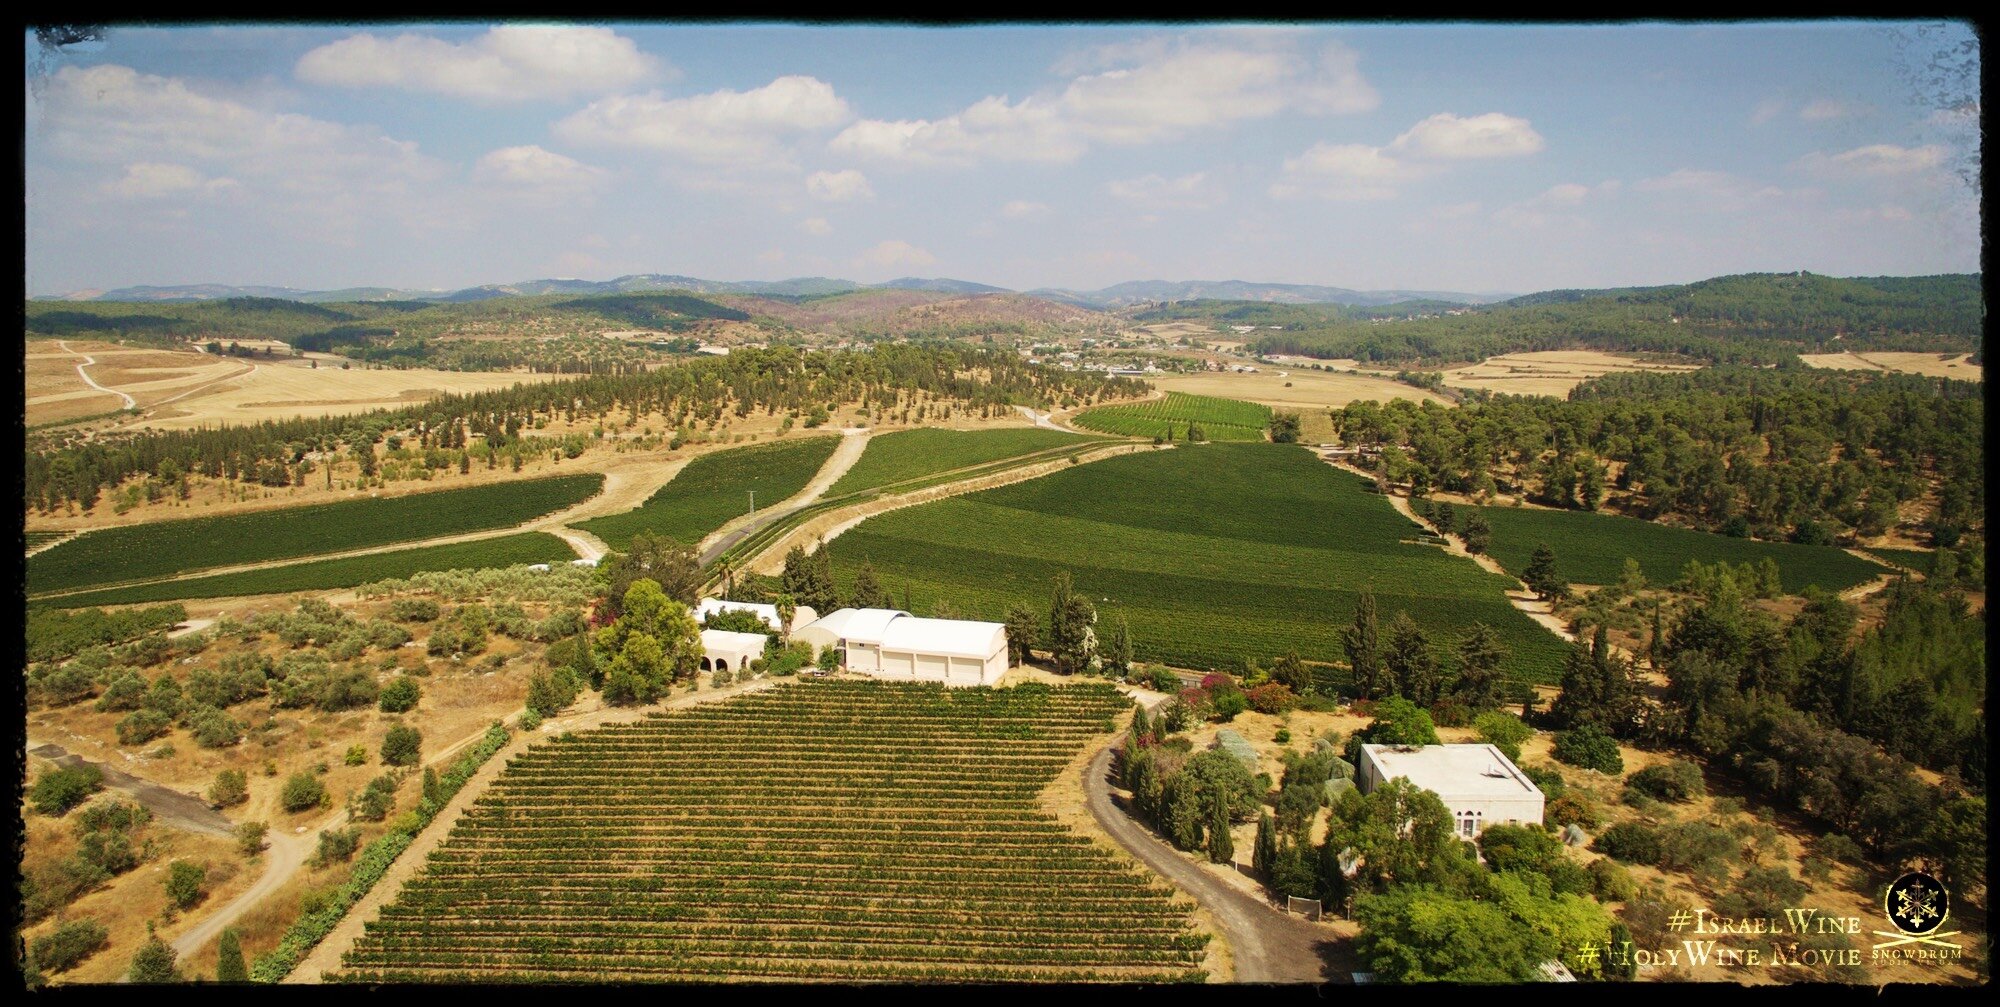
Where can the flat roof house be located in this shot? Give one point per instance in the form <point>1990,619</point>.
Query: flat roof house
<point>1481,786</point>
<point>768,613</point>
<point>721,649</point>
<point>889,643</point>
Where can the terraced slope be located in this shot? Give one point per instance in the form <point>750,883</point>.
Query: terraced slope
<point>845,830</point>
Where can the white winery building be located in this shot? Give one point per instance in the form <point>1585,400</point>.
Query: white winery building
<point>1479,785</point>
<point>893,644</point>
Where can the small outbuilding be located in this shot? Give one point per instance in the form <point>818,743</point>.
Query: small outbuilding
<point>889,643</point>
<point>722,650</point>
<point>1477,783</point>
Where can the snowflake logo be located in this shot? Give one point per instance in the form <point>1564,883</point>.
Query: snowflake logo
<point>1916,905</point>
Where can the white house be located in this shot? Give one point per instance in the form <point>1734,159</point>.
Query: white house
<point>768,613</point>
<point>723,650</point>
<point>1481,786</point>
<point>888,643</point>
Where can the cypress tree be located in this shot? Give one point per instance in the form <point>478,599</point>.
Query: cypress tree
<point>229,959</point>
<point>1363,649</point>
<point>433,792</point>
<point>1266,849</point>
<point>1221,847</point>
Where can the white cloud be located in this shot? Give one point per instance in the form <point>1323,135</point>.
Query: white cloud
<point>895,254</point>
<point>744,129</point>
<point>839,186</point>
<point>1825,109</point>
<point>1449,137</point>
<point>508,63</point>
<point>1556,204</point>
<point>1022,209</point>
<point>1876,160</point>
<point>771,256</point>
<point>816,226</point>
<point>1766,110</point>
<point>1343,171</point>
<point>152,179</point>
<point>533,168</point>
<point>1158,91</point>
<point>1711,190</point>
<point>1155,191</point>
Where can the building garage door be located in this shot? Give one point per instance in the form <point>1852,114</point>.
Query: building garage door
<point>861,657</point>
<point>898,664</point>
<point>965,670</point>
<point>932,666</point>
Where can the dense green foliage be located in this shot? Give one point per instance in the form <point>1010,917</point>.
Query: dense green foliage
<point>1212,555</point>
<point>1752,318</point>
<point>898,823</point>
<point>54,634</point>
<point>352,571</point>
<point>162,548</point>
<point>1595,547</point>
<point>1214,419</point>
<point>909,454</point>
<point>716,487</point>
<point>68,945</point>
<point>60,789</point>
<point>1789,455</point>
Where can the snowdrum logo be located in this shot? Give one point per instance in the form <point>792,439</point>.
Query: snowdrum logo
<point>1917,906</point>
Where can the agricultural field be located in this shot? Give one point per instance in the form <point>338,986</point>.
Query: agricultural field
<point>844,830</point>
<point>912,454</point>
<point>1295,387</point>
<point>329,574</point>
<point>714,488</point>
<point>1219,419</point>
<point>1548,372</point>
<point>1592,548</point>
<point>1935,365</point>
<point>165,548</point>
<point>1213,552</point>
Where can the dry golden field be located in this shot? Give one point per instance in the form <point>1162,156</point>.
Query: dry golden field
<point>1933,365</point>
<point>1549,372</point>
<point>1289,388</point>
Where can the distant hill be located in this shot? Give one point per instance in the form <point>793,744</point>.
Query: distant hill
<point>1152,291</point>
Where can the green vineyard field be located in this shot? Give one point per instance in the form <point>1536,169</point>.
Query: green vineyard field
<point>911,454</point>
<point>1219,419</point>
<point>842,830</point>
<point>715,488</point>
<point>165,548</point>
<point>1592,548</point>
<point>329,574</point>
<point>1213,552</point>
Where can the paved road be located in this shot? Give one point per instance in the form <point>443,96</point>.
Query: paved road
<point>853,441</point>
<point>1270,946</point>
<point>182,811</point>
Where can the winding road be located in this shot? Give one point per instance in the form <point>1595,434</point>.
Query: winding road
<point>130,402</point>
<point>853,441</point>
<point>1270,946</point>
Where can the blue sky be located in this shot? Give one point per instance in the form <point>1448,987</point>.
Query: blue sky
<point>1474,158</point>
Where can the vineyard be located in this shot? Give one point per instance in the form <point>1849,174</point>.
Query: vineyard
<point>327,574</point>
<point>165,548</point>
<point>846,830</point>
<point>910,454</point>
<point>1214,553</point>
<point>1219,419</point>
<point>715,488</point>
<point>1592,548</point>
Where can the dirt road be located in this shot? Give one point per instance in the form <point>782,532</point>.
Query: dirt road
<point>853,441</point>
<point>130,402</point>
<point>1268,944</point>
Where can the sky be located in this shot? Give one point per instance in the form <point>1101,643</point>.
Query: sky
<point>1451,157</point>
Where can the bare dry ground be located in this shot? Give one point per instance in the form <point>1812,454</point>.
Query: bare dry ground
<point>1292,388</point>
<point>1933,365</point>
<point>1549,372</point>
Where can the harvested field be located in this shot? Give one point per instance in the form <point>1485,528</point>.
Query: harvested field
<point>1549,372</point>
<point>1935,365</point>
<point>1295,388</point>
<point>658,851</point>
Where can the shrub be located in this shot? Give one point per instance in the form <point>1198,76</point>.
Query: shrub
<point>1571,809</point>
<point>1630,842</point>
<point>1674,780</point>
<point>212,728</point>
<point>1610,882</point>
<point>1761,891</point>
<point>302,792</point>
<point>413,610</point>
<point>1700,847</point>
<point>250,838</point>
<point>1547,779</point>
<point>63,788</point>
<point>68,945</point>
<point>1162,680</point>
<point>400,696</point>
<point>719,679</point>
<point>141,726</point>
<point>1284,734</point>
<point>374,802</point>
<point>184,883</point>
<point>1503,731</point>
<point>231,787</point>
<point>402,745</point>
<point>1588,747</point>
<point>529,720</point>
<point>1271,697</point>
<point>154,963</point>
<point>336,844</point>
<point>357,755</point>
